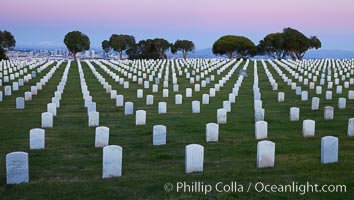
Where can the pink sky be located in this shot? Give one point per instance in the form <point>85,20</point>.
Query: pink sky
<point>203,21</point>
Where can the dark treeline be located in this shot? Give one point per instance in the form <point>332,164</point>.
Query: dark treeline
<point>288,43</point>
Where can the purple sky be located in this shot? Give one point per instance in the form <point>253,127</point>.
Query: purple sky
<point>43,23</point>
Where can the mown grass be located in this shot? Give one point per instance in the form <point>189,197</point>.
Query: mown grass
<point>71,168</point>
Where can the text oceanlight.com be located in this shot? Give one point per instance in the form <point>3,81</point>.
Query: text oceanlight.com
<point>234,187</point>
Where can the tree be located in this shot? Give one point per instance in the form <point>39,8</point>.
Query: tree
<point>106,47</point>
<point>273,45</point>
<point>121,43</point>
<point>234,46</point>
<point>76,42</point>
<point>161,45</point>
<point>296,43</point>
<point>144,49</point>
<point>7,41</point>
<point>182,45</point>
<point>315,42</point>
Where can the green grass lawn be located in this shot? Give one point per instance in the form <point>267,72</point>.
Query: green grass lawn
<point>70,167</point>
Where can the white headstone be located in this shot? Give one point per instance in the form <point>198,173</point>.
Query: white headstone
<point>129,108</point>
<point>175,88</point>
<point>318,89</point>
<point>188,92</point>
<point>329,149</point>
<point>56,101</point>
<point>227,106</point>
<point>261,131</point>
<point>194,158</point>
<point>281,96</point>
<point>162,108</point>
<point>34,90</point>
<point>112,161</point>
<point>47,120</point>
<point>259,115</point>
<point>126,84</point>
<point>159,135</point>
<point>91,107</point>
<point>195,106</point>
<point>315,103</point>
<point>140,117</point>
<point>17,168</point>
<point>139,93</point>
<point>37,138</point>
<point>265,154</point>
<point>212,132</point>
<point>328,95</point>
<point>342,103</point>
<point>304,96</point>
<point>197,87</point>
<point>20,103</point>
<point>257,104</point>
<point>15,86</point>
<point>212,92</point>
<point>308,128</point>
<point>351,94</point>
<point>221,116</point>
<point>339,89</point>
<point>328,113</point>
<point>52,108</point>
<point>8,90</point>
<point>149,99</point>
<point>165,93</point>
<point>298,90</point>
<point>108,89</point>
<point>178,99</point>
<point>146,84</point>
<point>294,114</point>
<point>113,94</point>
<point>205,99</point>
<point>101,136</point>
<point>94,119</point>
<point>155,88</point>
<point>350,132</point>
<point>119,100</point>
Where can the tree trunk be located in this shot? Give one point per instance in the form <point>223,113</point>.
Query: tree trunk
<point>74,55</point>
<point>291,54</point>
<point>184,55</point>
<point>120,55</point>
<point>229,55</point>
<point>162,55</point>
<point>300,56</point>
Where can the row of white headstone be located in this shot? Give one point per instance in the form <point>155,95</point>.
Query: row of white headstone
<point>328,110</point>
<point>17,163</point>
<point>47,117</point>
<point>304,94</point>
<point>15,71</point>
<point>8,89</point>
<point>20,101</point>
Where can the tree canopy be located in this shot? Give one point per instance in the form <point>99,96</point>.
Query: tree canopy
<point>234,46</point>
<point>76,42</point>
<point>296,43</point>
<point>7,41</point>
<point>144,49</point>
<point>161,45</point>
<point>121,43</point>
<point>182,45</point>
<point>273,45</point>
<point>106,46</point>
<point>290,42</point>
